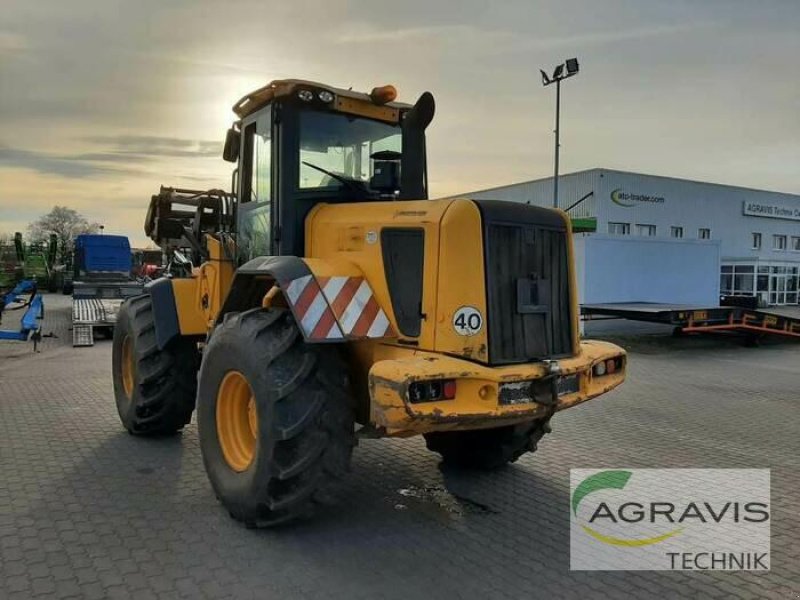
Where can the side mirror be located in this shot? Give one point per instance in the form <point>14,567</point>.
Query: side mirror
<point>230,152</point>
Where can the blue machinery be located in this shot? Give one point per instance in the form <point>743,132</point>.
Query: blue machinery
<point>34,310</point>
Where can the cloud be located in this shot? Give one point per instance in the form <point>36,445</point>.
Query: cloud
<point>149,145</point>
<point>369,35</point>
<point>496,40</point>
<point>112,157</point>
<point>11,43</point>
<point>616,35</point>
<point>130,150</point>
<point>53,164</point>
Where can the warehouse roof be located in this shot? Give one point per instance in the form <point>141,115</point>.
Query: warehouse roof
<point>605,170</point>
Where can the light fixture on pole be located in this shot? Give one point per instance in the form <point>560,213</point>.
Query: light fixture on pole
<point>562,71</point>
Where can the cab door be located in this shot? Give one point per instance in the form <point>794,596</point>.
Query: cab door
<point>255,211</point>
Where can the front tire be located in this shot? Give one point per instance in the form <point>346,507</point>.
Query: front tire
<point>274,416</point>
<point>154,389</point>
<point>487,449</point>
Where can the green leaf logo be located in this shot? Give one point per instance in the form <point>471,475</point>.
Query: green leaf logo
<point>599,481</point>
<point>616,199</point>
<point>616,480</point>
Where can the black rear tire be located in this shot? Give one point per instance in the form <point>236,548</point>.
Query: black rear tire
<point>487,449</point>
<point>304,418</point>
<point>164,382</point>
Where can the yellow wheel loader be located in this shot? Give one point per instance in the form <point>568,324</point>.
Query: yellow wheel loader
<point>327,299</point>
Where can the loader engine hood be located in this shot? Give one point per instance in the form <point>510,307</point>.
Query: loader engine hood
<point>485,280</point>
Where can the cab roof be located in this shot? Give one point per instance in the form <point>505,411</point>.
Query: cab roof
<point>344,100</point>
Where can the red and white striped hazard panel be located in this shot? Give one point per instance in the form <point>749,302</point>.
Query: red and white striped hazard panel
<point>334,308</point>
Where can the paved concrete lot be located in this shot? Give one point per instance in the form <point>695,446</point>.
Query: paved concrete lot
<point>88,511</point>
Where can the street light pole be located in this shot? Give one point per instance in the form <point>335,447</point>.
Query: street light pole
<point>558,118</point>
<point>559,74</point>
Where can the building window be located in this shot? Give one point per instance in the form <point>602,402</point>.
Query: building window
<point>646,230</point>
<point>775,285</point>
<point>756,241</point>
<point>762,283</point>
<point>619,228</point>
<point>795,243</point>
<point>784,285</point>
<point>737,280</point>
<point>676,232</point>
<point>704,233</point>
<point>779,242</point>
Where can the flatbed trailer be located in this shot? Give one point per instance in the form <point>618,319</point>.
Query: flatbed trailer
<point>95,306</point>
<point>685,318</point>
<point>101,283</point>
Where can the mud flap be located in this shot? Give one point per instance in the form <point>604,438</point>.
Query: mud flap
<point>330,304</point>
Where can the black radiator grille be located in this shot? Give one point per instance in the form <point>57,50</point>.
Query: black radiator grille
<point>527,283</point>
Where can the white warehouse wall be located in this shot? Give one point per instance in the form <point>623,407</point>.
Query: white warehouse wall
<point>638,267</point>
<point>571,188</point>
<point>635,269</point>
<point>694,204</point>
<point>666,202</point>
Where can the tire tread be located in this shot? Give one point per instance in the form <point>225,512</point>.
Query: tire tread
<point>312,427</point>
<point>166,379</point>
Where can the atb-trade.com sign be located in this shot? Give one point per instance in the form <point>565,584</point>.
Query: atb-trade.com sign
<point>670,519</point>
<point>627,199</point>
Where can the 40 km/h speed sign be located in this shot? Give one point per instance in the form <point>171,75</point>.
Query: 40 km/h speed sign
<point>467,320</point>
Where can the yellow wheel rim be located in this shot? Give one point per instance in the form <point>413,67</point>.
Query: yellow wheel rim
<point>127,366</point>
<point>237,421</point>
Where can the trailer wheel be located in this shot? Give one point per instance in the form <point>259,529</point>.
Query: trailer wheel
<point>274,417</point>
<point>154,389</point>
<point>487,449</point>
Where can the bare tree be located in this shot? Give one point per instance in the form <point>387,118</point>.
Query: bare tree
<point>66,223</point>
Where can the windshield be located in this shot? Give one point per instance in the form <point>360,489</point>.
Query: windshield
<point>341,144</point>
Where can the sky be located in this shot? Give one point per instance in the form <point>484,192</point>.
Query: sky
<point>103,101</point>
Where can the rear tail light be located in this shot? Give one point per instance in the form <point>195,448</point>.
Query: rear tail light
<point>607,367</point>
<point>432,391</point>
<point>600,369</point>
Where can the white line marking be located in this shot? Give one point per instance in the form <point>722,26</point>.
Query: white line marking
<point>296,287</point>
<point>314,313</point>
<point>379,325</point>
<point>335,333</point>
<point>333,287</point>
<point>356,307</point>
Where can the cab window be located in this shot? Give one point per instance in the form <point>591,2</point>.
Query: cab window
<point>341,144</point>
<point>255,207</point>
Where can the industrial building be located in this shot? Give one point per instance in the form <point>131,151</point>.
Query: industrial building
<point>647,238</point>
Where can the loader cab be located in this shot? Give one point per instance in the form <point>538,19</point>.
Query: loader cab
<point>299,144</point>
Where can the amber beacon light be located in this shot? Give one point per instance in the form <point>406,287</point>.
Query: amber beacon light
<point>383,94</point>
